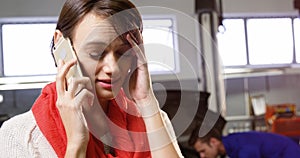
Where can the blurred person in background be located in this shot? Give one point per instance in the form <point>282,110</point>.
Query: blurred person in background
<point>242,145</point>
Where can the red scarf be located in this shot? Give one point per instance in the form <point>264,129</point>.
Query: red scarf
<point>49,121</point>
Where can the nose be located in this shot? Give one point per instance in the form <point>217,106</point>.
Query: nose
<point>110,63</point>
<point>202,155</point>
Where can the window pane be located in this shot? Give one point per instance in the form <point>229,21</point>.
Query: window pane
<point>26,49</point>
<point>297,38</point>
<point>232,43</point>
<point>160,45</point>
<point>270,41</point>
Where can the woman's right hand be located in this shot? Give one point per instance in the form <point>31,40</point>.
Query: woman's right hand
<point>72,96</point>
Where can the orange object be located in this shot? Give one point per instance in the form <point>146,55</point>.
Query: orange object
<point>274,112</point>
<point>282,119</point>
<point>287,126</point>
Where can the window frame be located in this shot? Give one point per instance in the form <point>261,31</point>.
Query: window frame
<point>248,70</point>
<point>20,20</point>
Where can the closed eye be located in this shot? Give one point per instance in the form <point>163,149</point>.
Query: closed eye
<point>96,54</point>
<point>95,50</point>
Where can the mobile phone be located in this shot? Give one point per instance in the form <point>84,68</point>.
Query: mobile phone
<point>63,50</point>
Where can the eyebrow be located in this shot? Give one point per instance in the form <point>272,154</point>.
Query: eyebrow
<point>97,43</point>
<point>104,43</point>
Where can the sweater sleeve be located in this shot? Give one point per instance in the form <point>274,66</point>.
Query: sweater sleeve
<point>171,132</point>
<point>13,138</point>
<point>20,137</point>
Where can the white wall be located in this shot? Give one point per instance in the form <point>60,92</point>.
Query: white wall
<point>21,8</point>
<point>186,6</point>
<point>259,7</point>
<point>9,8</point>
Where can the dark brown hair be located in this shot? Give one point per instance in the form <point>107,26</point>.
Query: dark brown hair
<point>213,133</point>
<point>74,10</point>
<point>215,130</point>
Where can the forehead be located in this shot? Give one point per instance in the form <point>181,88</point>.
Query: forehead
<point>95,28</point>
<point>199,145</point>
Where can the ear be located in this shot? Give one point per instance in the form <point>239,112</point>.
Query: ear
<point>57,35</point>
<point>214,141</point>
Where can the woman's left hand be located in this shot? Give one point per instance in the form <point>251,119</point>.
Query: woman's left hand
<point>140,88</point>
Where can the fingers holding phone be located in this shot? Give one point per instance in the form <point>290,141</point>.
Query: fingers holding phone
<point>74,92</point>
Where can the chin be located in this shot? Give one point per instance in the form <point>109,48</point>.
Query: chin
<point>106,94</point>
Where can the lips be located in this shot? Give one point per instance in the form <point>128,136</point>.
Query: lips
<point>106,83</point>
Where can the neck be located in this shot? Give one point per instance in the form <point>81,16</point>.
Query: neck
<point>104,105</point>
<point>222,150</point>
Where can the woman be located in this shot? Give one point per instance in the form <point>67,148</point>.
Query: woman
<point>91,116</point>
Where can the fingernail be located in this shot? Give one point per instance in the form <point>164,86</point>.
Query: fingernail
<point>128,36</point>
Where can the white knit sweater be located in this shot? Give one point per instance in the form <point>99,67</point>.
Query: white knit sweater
<point>20,137</point>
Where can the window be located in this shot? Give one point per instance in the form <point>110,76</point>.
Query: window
<point>232,44</point>
<point>26,46</point>
<point>160,45</point>
<point>26,49</point>
<point>297,38</point>
<point>259,42</point>
<point>270,41</point>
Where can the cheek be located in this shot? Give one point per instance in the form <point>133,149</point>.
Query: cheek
<point>88,66</point>
<point>125,64</point>
<point>213,152</point>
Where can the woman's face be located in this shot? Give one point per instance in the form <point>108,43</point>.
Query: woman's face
<point>102,55</point>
